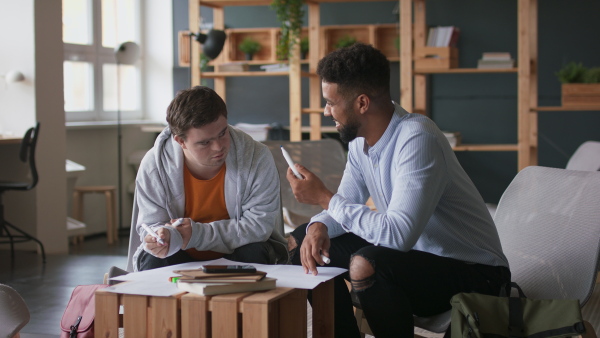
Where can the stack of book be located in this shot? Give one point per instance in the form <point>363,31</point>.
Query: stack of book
<point>207,284</point>
<point>454,138</point>
<point>443,36</point>
<point>495,60</point>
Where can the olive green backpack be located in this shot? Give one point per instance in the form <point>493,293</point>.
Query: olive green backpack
<point>481,316</point>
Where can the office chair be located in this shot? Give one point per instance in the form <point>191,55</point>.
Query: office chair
<point>8,230</point>
<point>548,221</point>
<point>14,314</point>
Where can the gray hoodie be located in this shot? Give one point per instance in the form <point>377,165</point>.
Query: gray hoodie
<point>252,197</point>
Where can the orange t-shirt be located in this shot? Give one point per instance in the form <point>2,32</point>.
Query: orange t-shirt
<point>205,203</point>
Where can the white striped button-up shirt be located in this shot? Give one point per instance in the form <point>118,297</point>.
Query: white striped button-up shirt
<point>425,201</point>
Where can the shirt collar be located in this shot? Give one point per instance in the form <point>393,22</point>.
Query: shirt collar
<point>385,139</point>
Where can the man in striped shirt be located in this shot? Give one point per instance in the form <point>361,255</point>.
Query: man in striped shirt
<point>431,235</point>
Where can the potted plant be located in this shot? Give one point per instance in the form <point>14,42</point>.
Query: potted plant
<point>580,85</point>
<point>304,47</point>
<point>290,15</point>
<point>345,41</point>
<point>249,47</point>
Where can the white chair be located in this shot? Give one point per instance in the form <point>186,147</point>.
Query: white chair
<point>549,225</point>
<point>586,157</point>
<point>548,221</point>
<point>325,158</point>
<point>14,314</point>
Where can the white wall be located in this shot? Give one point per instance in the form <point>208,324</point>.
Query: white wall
<point>31,40</point>
<point>96,147</point>
<point>31,35</point>
<point>17,107</point>
<point>157,57</point>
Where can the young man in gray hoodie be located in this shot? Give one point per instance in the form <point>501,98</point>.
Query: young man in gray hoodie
<point>221,182</point>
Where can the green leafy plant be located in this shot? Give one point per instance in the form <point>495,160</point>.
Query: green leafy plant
<point>204,62</point>
<point>250,46</point>
<point>345,41</point>
<point>397,43</point>
<point>290,14</point>
<point>592,75</point>
<point>304,45</point>
<point>572,72</point>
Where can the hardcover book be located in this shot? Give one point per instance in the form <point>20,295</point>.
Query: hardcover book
<point>207,289</point>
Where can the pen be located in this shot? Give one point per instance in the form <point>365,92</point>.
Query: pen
<point>152,233</point>
<point>289,161</point>
<point>178,222</point>
<point>325,259</point>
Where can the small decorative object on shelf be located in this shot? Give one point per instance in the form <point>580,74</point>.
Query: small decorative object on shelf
<point>496,60</point>
<point>345,41</point>
<point>436,57</point>
<point>249,47</point>
<point>580,85</point>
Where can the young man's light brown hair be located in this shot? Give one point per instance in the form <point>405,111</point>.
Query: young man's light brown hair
<point>194,108</point>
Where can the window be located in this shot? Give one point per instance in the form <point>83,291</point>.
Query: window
<point>96,87</point>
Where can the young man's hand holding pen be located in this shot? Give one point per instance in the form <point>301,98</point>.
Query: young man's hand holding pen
<point>157,240</point>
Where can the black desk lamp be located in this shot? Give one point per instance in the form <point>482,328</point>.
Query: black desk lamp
<point>212,43</point>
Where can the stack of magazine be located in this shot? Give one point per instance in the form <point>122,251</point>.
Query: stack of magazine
<point>206,284</point>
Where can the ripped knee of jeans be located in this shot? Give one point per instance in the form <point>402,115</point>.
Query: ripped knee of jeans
<point>361,273</point>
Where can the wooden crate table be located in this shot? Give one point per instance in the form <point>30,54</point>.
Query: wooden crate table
<point>280,312</point>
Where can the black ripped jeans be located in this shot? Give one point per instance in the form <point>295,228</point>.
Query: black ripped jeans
<point>404,284</point>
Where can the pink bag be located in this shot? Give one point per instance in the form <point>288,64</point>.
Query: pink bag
<point>78,319</point>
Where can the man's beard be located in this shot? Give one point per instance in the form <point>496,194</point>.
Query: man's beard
<point>349,131</point>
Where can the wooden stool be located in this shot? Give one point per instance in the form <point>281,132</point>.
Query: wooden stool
<point>109,192</point>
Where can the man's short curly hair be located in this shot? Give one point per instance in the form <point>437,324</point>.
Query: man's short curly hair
<point>194,108</point>
<point>357,69</point>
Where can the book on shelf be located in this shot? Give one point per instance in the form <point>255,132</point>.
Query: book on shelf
<point>278,67</point>
<point>495,64</point>
<point>443,36</point>
<point>453,137</point>
<point>233,67</point>
<point>496,56</point>
<point>199,287</point>
<point>496,60</point>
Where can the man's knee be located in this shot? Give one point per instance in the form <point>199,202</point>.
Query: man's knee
<point>361,272</point>
<point>258,252</point>
<point>291,244</point>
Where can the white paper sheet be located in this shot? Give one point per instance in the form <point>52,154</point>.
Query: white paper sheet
<point>156,282</point>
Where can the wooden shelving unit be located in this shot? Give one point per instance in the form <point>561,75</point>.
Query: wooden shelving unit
<point>321,40</point>
<point>560,108</point>
<point>414,81</point>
